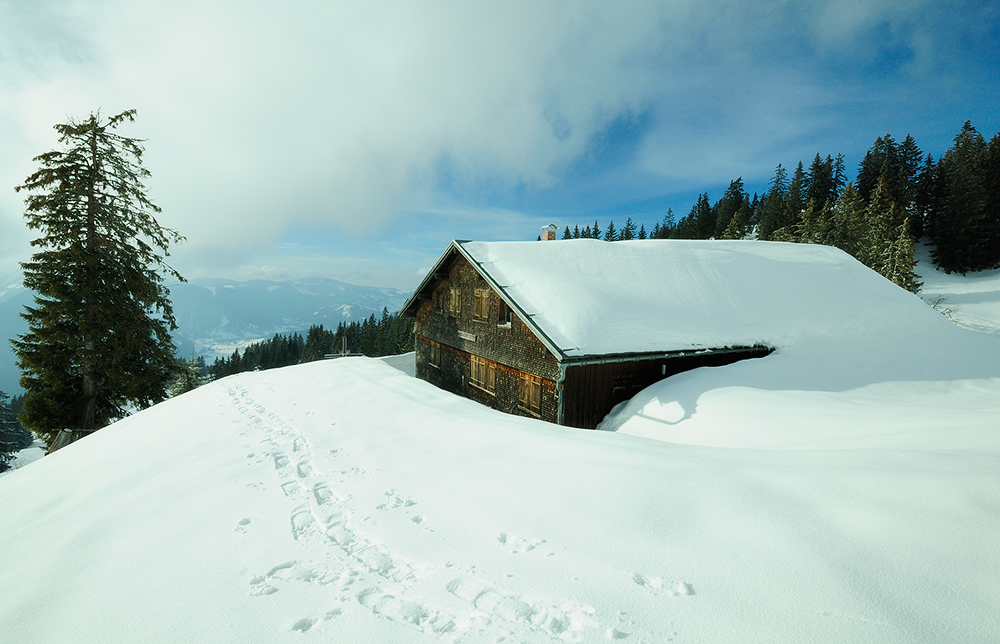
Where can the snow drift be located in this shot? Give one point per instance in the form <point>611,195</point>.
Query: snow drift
<point>844,488</point>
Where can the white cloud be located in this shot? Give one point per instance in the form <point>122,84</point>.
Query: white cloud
<point>263,117</point>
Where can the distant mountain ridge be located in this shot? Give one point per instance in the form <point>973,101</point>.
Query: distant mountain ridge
<point>215,316</point>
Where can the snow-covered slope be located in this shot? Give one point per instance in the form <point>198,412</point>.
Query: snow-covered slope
<point>971,301</point>
<point>842,489</point>
<point>346,501</point>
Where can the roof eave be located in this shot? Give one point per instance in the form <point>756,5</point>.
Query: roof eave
<point>525,317</point>
<point>409,309</point>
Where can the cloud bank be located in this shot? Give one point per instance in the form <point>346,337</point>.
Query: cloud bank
<point>342,116</point>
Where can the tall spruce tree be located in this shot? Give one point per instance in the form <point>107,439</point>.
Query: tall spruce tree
<point>98,335</point>
<point>961,230</point>
<point>772,206</point>
<point>848,226</point>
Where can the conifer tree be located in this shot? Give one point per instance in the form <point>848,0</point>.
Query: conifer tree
<point>13,436</point>
<point>848,222</point>
<point>991,207</point>
<point>814,224</point>
<point>98,335</point>
<point>839,176</point>
<point>610,234</point>
<point>820,187</point>
<point>773,204</point>
<point>881,159</point>
<point>898,264</point>
<point>795,200</point>
<point>567,234</point>
<point>188,376</point>
<point>961,233</point>
<point>628,230</point>
<point>642,231</point>
<point>727,206</point>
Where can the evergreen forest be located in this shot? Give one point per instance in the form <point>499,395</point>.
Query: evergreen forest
<point>374,337</point>
<point>898,197</point>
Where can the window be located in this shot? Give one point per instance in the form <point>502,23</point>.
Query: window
<point>455,302</point>
<point>530,393</point>
<point>484,373</point>
<point>441,300</point>
<point>503,314</point>
<point>481,310</point>
<point>434,359</point>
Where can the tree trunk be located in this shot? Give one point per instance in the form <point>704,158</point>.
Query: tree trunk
<point>89,386</point>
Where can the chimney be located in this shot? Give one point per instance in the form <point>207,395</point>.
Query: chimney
<point>549,232</point>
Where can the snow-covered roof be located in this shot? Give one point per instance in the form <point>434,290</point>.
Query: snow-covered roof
<point>586,297</point>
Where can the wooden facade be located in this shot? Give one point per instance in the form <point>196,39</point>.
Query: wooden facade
<point>473,340</point>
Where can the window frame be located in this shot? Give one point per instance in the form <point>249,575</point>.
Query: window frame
<point>483,373</point>
<point>529,395</point>
<point>481,305</point>
<point>504,314</point>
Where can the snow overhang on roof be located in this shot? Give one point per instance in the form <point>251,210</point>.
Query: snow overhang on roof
<point>586,298</point>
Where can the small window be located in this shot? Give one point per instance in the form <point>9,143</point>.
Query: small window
<point>481,310</point>
<point>503,314</point>
<point>434,359</point>
<point>455,302</point>
<point>441,300</point>
<point>530,393</point>
<point>484,373</point>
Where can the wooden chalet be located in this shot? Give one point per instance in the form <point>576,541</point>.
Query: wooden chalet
<point>559,330</point>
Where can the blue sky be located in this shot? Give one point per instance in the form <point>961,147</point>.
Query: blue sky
<point>353,140</point>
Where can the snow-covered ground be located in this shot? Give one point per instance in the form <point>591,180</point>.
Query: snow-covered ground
<point>844,489</point>
<point>971,301</point>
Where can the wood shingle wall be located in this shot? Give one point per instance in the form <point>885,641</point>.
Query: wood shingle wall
<point>452,332</point>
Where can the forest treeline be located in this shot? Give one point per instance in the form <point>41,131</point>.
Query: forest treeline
<point>374,337</point>
<point>898,196</point>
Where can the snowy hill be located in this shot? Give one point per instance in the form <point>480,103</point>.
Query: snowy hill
<point>815,500</point>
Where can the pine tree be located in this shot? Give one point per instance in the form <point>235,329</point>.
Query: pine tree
<point>642,231</point>
<point>773,204</point>
<point>991,207</point>
<point>848,222</point>
<point>567,234</point>
<point>628,230</point>
<point>881,159</point>
<point>899,263</point>
<point>726,208</point>
<point>839,176</point>
<point>576,232</point>
<point>13,436</point>
<point>961,230</point>
<point>188,376</point>
<point>820,186</point>
<point>814,224</point>
<point>99,332</point>
<point>795,199</point>
<point>610,234</point>
<point>882,218</point>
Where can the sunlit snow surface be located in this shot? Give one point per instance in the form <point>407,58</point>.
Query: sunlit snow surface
<point>844,489</point>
